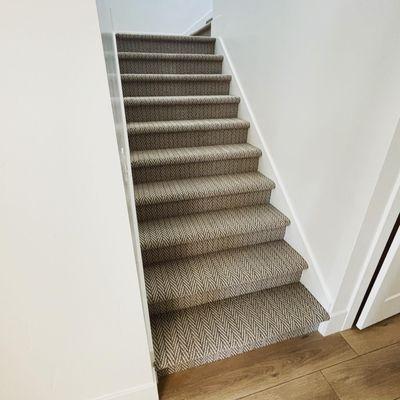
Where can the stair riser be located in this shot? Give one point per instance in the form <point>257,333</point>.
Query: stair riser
<point>151,66</point>
<point>173,209</point>
<point>231,352</point>
<point>150,141</point>
<point>164,46</point>
<point>193,169</point>
<point>207,297</point>
<point>210,246</point>
<point>136,88</point>
<point>171,112</point>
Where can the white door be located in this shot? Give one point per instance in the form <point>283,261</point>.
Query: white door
<point>384,298</point>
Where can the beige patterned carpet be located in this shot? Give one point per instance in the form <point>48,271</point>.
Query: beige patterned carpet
<point>220,278</point>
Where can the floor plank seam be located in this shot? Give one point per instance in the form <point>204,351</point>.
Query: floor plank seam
<point>326,380</point>
<point>349,344</point>
<point>372,351</point>
<point>277,385</point>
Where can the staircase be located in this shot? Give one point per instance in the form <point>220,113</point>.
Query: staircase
<point>220,278</point>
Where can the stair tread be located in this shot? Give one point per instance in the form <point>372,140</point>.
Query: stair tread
<point>175,77</point>
<point>169,56</point>
<point>211,331</point>
<point>137,128</point>
<point>151,158</point>
<point>174,280</point>
<point>179,100</point>
<point>209,225</point>
<point>202,187</point>
<point>167,38</point>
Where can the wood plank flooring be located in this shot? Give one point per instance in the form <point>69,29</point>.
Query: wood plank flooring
<point>312,386</point>
<point>374,375</point>
<point>355,365</point>
<point>375,337</point>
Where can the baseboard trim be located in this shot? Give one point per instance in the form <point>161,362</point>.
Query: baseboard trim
<point>312,278</point>
<point>142,392</point>
<point>334,325</point>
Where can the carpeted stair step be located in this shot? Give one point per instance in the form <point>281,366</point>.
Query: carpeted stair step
<point>187,196</point>
<point>174,84</point>
<point>186,133</point>
<point>209,332</point>
<point>203,31</point>
<point>143,43</point>
<point>168,108</point>
<point>195,234</point>
<point>193,281</point>
<point>159,63</point>
<point>190,162</point>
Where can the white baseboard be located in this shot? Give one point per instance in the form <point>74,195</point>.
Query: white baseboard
<point>312,279</point>
<point>334,325</point>
<point>143,392</point>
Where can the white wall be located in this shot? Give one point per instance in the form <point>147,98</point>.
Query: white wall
<point>157,16</point>
<point>322,80</point>
<point>71,320</point>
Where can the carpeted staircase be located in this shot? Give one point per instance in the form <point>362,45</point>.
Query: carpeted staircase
<point>220,278</point>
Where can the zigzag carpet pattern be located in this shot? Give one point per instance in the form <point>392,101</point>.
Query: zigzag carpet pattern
<point>220,278</point>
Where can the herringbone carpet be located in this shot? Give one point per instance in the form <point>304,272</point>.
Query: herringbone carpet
<point>220,278</point>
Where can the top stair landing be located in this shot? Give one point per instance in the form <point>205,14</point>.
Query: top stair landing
<point>128,42</point>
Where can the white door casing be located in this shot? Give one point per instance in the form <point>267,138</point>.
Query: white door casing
<point>384,298</point>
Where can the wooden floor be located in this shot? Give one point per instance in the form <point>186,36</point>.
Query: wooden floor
<point>353,365</point>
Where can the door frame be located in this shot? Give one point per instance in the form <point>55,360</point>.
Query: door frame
<point>383,231</point>
<point>363,319</point>
<point>374,232</point>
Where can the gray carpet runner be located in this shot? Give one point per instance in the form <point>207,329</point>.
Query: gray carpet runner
<point>220,278</point>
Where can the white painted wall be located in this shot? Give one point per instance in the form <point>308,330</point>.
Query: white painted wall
<point>323,84</point>
<point>157,16</point>
<point>71,320</point>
